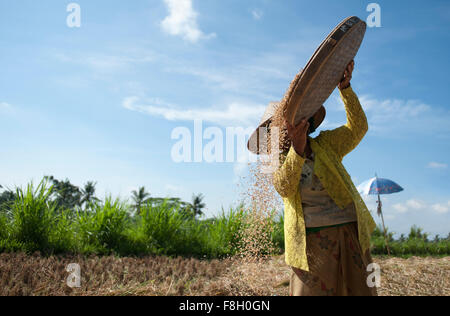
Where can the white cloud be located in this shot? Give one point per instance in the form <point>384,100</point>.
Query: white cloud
<point>387,109</point>
<point>400,208</point>
<point>257,14</point>
<point>235,114</point>
<point>385,115</point>
<point>395,117</point>
<point>441,208</point>
<point>437,165</point>
<point>182,21</point>
<point>417,205</point>
<point>4,105</point>
<point>6,108</point>
<point>220,78</point>
<point>246,79</point>
<point>104,63</point>
<point>393,108</point>
<point>263,75</point>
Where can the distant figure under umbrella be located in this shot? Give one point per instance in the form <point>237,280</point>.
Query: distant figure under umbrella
<point>377,186</point>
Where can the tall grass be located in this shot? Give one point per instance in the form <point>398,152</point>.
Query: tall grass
<point>168,231</point>
<point>417,243</point>
<point>104,227</point>
<point>164,228</point>
<point>278,231</point>
<point>224,238</point>
<point>3,227</point>
<point>33,217</point>
<point>62,235</point>
<point>34,222</point>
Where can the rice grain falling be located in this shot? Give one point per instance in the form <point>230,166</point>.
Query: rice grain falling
<point>262,201</point>
<point>262,204</point>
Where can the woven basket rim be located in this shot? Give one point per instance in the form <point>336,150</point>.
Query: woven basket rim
<point>314,65</point>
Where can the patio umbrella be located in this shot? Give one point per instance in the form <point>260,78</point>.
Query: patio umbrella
<point>378,186</point>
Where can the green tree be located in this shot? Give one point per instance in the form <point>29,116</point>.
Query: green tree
<point>65,194</point>
<point>169,202</point>
<point>6,198</point>
<point>88,194</point>
<point>140,197</point>
<point>417,233</point>
<point>197,204</point>
<point>436,239</point>
<point>184,208</point>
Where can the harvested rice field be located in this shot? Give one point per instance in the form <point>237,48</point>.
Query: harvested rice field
<point>22,274</point>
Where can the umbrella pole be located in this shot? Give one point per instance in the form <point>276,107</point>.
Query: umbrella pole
<point>384,227</point>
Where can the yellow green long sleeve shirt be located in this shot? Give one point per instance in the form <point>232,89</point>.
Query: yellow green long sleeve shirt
<point>330,147</point>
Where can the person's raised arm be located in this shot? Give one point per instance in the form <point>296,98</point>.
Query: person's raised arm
<point>344,139</point>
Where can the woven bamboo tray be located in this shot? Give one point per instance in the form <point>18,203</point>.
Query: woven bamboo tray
<point>317,81</point>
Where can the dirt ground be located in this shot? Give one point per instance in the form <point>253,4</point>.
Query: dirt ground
<point>22,274</point>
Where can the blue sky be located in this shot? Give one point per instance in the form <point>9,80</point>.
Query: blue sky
<point>100,102</point>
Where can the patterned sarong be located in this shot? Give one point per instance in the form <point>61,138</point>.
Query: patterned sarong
<point>337,265</point>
